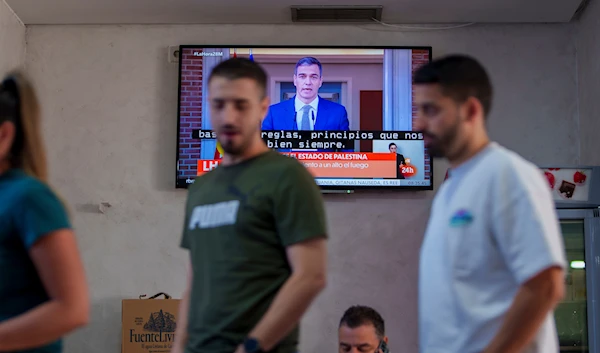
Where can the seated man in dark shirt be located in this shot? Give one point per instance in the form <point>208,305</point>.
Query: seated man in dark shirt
<point>362,330</point>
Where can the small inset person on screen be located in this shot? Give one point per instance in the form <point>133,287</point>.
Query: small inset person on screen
<point>400,161</point>
<point>306,110</point>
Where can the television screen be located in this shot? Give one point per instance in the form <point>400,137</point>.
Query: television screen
<point>346,113</point>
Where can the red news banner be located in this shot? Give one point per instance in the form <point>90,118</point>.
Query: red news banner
<point>340,164</point>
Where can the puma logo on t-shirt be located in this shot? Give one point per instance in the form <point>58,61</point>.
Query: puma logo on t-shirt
<point>215,215</point>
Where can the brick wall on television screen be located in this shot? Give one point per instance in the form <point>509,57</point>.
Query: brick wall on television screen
<point>419,58</point>
<point>190,111</point>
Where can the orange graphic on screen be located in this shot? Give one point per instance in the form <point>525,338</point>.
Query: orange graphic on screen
<point>340,165</point>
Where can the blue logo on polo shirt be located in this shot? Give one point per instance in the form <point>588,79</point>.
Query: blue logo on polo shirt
<point>461,218</point>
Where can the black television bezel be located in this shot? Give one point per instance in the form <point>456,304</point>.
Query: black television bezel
<point>181,183</point>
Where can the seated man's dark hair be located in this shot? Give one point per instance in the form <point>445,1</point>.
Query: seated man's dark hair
<point>359,315</point>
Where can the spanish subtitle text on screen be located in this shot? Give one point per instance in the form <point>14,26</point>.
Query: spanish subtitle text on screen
<point>324,139</point>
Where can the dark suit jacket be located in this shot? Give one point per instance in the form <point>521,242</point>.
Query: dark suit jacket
<point>330,116</point>
<point>399,162</point>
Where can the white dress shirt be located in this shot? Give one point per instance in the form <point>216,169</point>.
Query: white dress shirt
<point>312,113</point>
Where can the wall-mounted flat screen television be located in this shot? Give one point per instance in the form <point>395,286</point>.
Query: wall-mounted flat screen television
<point>346,113</point>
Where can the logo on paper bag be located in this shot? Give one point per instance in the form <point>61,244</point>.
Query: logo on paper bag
<point>160,322</point>
<point>159,332</point>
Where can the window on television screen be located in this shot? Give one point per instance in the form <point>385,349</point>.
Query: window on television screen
<point>346,113</point>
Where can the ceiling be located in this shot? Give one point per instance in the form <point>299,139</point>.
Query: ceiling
<point>278,11</point>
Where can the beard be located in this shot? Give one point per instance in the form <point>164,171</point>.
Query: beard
<point>240,143</point>
<point>440,145</point>
<point>435,151</point>
<point>233,147</point>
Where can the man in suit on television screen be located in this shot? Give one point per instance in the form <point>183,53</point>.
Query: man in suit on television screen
<point>306,110</point>
<point>400,161</point>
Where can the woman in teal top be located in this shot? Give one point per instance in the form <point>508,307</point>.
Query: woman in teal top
<point>43,291</point>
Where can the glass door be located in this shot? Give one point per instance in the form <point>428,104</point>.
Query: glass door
<point>571,314</point>
<point>577,315</point>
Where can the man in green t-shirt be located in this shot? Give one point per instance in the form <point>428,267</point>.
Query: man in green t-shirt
<point>255,228</point>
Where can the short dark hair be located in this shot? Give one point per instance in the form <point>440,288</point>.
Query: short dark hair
<point>392,144</point>
<point>307,61</point>
<point>237,68</point>
<point>460,77</point>
<point>359,315</point>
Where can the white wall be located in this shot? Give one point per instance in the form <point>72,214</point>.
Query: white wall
<point>588,75</point>
<point>12,40</point>
<point>110,103</point>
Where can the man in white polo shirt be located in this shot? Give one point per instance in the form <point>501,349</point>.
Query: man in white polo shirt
<point>492,261</point>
